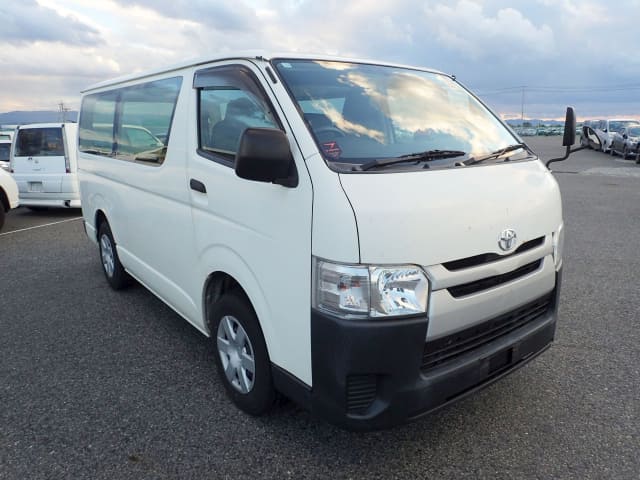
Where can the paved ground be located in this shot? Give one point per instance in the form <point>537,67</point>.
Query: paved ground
<point>96,384</point>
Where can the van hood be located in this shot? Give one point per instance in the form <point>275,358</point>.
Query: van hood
<point>433,216</point>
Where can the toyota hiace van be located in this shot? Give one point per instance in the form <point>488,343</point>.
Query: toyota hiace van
<point>367,239</point>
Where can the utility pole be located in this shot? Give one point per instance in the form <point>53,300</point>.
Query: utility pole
<point>522,107</point>
<point>63,112</point>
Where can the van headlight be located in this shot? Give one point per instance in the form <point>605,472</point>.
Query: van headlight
<point>558,246</point>
<point>361,291</point>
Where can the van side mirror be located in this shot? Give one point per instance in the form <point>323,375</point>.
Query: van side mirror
<point>264,155</point>
<point>569,137</point>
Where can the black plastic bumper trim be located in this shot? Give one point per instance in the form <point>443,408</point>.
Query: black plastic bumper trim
<point>384,358</point>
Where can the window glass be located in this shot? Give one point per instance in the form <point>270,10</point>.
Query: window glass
<point>4,151</point>
<point>40,142</point>
<point>618,125</point>
<point>230,101</point>
<point>131,123</point>
<point>359,113</point>
<point>96,123</point>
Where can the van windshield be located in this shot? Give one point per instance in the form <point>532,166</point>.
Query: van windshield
<point>360,113</point>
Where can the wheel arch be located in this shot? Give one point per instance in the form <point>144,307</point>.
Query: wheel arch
<point>240,280</point>
<point>98,218</point>
<point>4,200</point>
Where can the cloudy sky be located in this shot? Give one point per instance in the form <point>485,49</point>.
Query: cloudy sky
<point>555,52</point>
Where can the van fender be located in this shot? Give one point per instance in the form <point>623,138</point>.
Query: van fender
<point>221,258</point>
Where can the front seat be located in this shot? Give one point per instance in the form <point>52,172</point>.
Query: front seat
<point>225,135</point>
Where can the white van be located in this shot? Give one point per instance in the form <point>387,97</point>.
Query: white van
<point>367,239</point>
<point>8,195</point>
<point>44,165</point>
<point>5,152</point>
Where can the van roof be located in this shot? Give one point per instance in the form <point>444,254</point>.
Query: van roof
<point>44,125</point>
<point>254,55</point>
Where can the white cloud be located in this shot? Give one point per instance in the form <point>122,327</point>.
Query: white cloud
<point>466,28</point>
<point>63,46</point>
<point>26,21</point>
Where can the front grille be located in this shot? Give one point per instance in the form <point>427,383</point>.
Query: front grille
<point>490,257</point>
<point>490,282</point>
<point>441,350</point>
<point>361,391</point>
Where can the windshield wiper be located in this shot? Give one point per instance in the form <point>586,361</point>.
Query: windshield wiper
<point>496,154</point>
<point>427,156</point>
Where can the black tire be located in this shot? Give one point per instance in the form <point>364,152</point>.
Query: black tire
<point>2,215</point>
<point>261,397</point>
<point>612,151</point>
<point>113,271</point>
<point>624,152</point>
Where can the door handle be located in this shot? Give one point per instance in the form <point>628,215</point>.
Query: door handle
<point>197,185</point>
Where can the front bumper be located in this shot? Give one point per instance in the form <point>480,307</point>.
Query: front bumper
<point>370,375</point>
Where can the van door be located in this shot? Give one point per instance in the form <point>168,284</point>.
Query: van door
<point>259,233</point>
<point>40,151</point>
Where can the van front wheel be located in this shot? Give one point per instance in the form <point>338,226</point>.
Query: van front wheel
<point>241,354</point>
<point>113,270</point>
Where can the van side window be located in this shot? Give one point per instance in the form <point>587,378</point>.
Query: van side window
<point>230,100</point>
<point>96,124</point>
<point>131,123</point>
<point>40,142</point>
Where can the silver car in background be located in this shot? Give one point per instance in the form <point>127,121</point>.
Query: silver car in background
<point>605,130</point>
<point>626,142</point>
<point>584,134</point>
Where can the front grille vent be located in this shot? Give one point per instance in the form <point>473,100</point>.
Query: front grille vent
<point>361,392</point>
<point>490,282</point>
<point>450,347</point>
<point>490,257</point>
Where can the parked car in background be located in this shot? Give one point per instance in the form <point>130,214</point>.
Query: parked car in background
<point>43,163</point>
<point>5,150</point>
<point>605,129</point>
<point>584,137</point>
<point>6,134</point>
<point>8,195</point>
<point>626,142</point>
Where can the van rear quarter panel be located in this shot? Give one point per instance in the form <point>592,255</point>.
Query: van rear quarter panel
<point>148,210</point>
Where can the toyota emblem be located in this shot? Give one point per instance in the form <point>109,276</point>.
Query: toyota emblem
<point>507,239</point>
